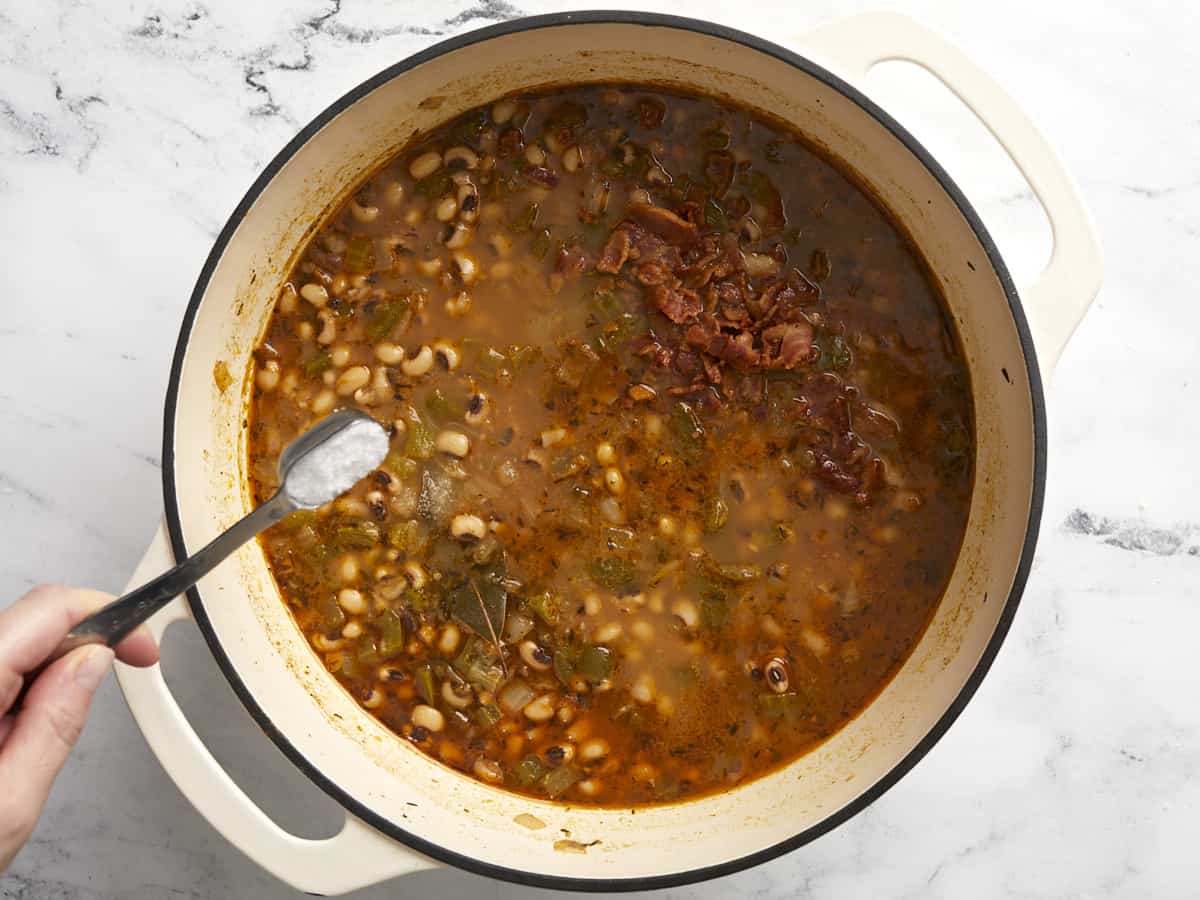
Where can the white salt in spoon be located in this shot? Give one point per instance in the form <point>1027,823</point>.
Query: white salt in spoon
<point>321,464</point>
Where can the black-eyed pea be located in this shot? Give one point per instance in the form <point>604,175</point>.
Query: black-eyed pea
<point>687,611</point>
<point>540,709</point>
<point>393,193</point>
<point>458,305</point>
<point>447,354</point>
<point>348,569</point>
<point>488,770</point>
<point>607,633</point>
<point>445,209</point>
<point>425,165</point>
<point>389,353</point>
<point>267,377</point>
<point>460,236</point>
<point>325,644</point>
<point>642,689</point>
<point>328,332</point>
<point>453,443</point>
<point>352,379</point>
<point>420,364</point>
<point>814,641</point>
<point>352,601</point>
<point>467,268</point>
<point>323,402</point>
<point>467,527</point>
<point>503,110</point>
<point>415,573</point>
<point>288,299</point>
<point>449,639</point>
<point>460,158</point>
<point>535,656</point>
<point>315,293</point>
<point>614,480</point>
<point>428,718</point>
<point>535,155</point>
<point>589,787</point>
<point>456,696</point>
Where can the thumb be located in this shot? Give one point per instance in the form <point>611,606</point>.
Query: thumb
<point>48,724</point>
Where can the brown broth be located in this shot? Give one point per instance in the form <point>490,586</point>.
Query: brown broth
<point>709,562</point>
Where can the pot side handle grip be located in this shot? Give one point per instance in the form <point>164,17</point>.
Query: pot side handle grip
<point>1058,299</point>
<point>355,857</point>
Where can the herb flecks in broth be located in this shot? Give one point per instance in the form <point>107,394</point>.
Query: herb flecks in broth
<point>681,446</point>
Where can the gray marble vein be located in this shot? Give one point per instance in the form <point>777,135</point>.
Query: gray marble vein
<point>129,131</point>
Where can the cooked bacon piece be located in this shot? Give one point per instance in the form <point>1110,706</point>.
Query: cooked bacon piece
<point>786,346</point>
<point>616,251</point>
<point>677,303</point>
<point>665,224</point>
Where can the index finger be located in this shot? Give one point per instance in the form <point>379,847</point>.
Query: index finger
<point>32,628</point>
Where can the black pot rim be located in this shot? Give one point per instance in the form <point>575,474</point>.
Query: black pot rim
<point>675,879</point>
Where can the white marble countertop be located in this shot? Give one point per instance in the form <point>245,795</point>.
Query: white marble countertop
<point>128,133</point>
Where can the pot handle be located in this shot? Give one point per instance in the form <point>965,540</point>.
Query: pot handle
<point>355,857</point>
<point>1061,294</point>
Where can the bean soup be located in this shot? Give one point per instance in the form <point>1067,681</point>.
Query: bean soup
<point>682,444</point>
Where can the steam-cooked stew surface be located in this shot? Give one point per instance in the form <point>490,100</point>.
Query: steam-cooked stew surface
<point>682,445</point>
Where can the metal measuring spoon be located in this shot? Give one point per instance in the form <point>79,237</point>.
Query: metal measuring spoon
<point>318,466</point>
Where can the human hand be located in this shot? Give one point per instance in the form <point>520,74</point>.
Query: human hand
<point>36,739</point>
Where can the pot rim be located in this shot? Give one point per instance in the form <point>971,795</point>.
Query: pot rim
<point>904,765</point>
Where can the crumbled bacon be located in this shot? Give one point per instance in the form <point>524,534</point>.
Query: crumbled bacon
<point>677,303</point>
<point>786,346</point>
<point>665,224</point>
<point>615,252</point>
<point>724,329</point>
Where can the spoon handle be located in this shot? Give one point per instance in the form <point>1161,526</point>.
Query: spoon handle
<point>115,621</point>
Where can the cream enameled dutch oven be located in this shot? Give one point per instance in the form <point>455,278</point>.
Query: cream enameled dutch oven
<point>405,812</point>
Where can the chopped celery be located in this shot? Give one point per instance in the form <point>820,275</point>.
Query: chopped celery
<point>400,465</point>
<point>595,663</point>
<point>479,664</point>
<point>486,715</point>
<point>528,770</point>
<point>556,782</point>
<point>391,634</point>
<point>425,684</point>
<point>546,607</point>
<point>332,616</point>
<point>419,439</point>
<point>353,535</point>
<point>315,365</point>
<point>360,254</point>
<point>565,661</point>
<point>385,315</point>
<point>442,407</point>
<point>613,573</point>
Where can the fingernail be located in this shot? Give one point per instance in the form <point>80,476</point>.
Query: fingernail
<point>90,670</point>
